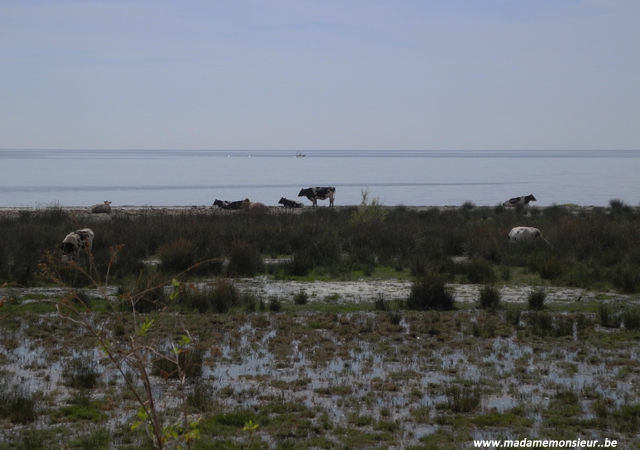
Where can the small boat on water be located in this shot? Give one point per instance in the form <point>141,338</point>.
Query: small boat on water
<point>300,155</point>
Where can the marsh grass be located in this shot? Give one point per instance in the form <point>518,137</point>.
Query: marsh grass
<point>244,260</point>
<point>429,292</point>
<point>80,373</point>
<point>220,297</point>
<point>189,361</point>
<point>17,404</point>
<point>609,316</point>
<point>490,297</point>
<point>536,299</point>
<point>605,255</point>
<point>201,396</point>
<point>463,399</point>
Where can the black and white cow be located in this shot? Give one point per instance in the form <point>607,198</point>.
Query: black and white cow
<point>224,204</point>
<point>525,234</point>
<point>102,208</point>
<point>75,242</point>
<point>522,200</point>
<point>289,203</point>
<point>319,193</point>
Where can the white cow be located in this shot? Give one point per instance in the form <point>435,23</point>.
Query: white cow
<point>102,208</point>
<point>525,234</point>
<point>75,242</point>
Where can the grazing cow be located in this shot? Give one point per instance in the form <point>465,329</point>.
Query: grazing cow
<point>102,208</point>
<point>224,204</point>
<point>290,203</point>
<point>75,242</point>
<point>525,234</point>
<point>318,193</point>
<point>523,200</point>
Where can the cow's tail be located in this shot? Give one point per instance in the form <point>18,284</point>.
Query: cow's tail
<point>541,237</point>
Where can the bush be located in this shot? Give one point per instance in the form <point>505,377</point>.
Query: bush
<point>537,298</point>
<point>176,256</point>
<point>609,317</point>
<point>301,298</point>
<point>631,319</point>
<point>147,294</point>
<point>17,405</point>
<point>190,361</point>
<point>489,297</point>
<point>80,373</point>
<point>218,298</point>
<point>480,271</point>
<point>244,260</point>
<point>463,400</point>
<point>201,396</point>
<point>430,292</point>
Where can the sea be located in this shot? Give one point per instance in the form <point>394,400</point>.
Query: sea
<point>75,178</point>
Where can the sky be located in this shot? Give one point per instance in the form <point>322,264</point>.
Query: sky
<point>320,74</point>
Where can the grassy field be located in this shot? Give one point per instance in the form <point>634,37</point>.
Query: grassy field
<point>83,361</point>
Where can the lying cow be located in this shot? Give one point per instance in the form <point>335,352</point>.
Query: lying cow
<point>102,208</point>
<point>224,204</point>
<point>523,200</point>
<point>525,234</point>
<point>75,242</point>
<point>254,206</point>
<point>318,193</point>
<point>290,203</point>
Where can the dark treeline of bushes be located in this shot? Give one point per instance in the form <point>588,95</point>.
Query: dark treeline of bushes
<point>592,248</point>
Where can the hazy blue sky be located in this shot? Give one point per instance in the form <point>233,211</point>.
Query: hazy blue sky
<point>320,74</point>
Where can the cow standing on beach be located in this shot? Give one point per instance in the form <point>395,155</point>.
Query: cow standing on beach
<point>522,200</point>
<point>75,242</point>
<point>319,193</point>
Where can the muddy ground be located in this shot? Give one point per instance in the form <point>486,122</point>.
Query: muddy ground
<point>363,378</point>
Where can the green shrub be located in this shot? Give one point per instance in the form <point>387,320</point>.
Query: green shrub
<point>430,292</point>
<point>17,404</point>
<point>301,297</point>
<point>201,396</point>
<point>176,256</point>
<point>146,295</point>
<point>480,272</point>
<point>537,298</point>
<point>244,260</point>
<point>609,316</point>
<point>631,318</point>
<point>190,361</point>
<point>80,373</point>
<point>463,400</point>
<point>490,297</point>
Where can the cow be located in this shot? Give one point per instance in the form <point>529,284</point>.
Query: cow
<point>254,206</point>
<point>102,208</point>
<point>522,200</point>
<point>318,193</point>
<point>75,242</point>
<point>224,204</point>
<point>221,203</point>
<point>525,234</point>
<point>290,203</point>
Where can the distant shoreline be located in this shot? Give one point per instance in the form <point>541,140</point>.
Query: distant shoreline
<point>131,210</point>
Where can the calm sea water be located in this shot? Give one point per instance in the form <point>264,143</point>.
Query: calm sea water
<point>412,178</point>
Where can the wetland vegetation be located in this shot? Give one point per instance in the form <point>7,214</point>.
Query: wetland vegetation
<point>228,368</point>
